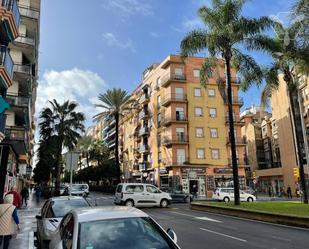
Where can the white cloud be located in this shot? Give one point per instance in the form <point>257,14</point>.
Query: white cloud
<point>130,7</point>
<point>74,85</point>
<point>154,34</point>
<point>112,41</point>
<point>194,23</point>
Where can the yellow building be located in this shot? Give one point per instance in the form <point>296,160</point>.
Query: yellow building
<point>178,134</point>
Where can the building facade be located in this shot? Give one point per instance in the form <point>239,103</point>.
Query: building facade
<point>177,135</point>
<point>18,143</point>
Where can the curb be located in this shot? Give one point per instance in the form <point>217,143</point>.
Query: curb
<point>255,215</point>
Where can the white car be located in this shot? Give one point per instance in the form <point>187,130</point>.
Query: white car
<point>78,189</point>
<point>51,214</point>
<point>227,195</point>
<point>111,227</point>
<point>141,194</point>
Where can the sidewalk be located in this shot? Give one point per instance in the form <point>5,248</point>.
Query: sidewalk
<point>25,238</point>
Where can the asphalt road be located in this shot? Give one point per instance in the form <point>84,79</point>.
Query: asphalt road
<point>196,229</point>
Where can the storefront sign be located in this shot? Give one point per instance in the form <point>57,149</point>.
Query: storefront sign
<point>223,171</point>
<point>197,170</point>
<point>192,174</point>
<point>163,171</point>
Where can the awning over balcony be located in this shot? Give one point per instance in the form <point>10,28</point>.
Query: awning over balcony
<point>3,105</point>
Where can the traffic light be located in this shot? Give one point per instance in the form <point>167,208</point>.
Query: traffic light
<point>296,172</point>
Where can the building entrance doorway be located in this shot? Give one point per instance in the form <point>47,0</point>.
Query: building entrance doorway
<point>193,187</point>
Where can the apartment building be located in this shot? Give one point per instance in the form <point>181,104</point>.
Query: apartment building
<point>20,94</point>
<point>109,134</point>
<point>178,134</point>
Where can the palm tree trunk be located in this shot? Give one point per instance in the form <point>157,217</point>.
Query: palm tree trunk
<point>231,132</point>
<point>87,159</point>
<point>116,147</point>
<point>58,168</point>
<point>295,111</point>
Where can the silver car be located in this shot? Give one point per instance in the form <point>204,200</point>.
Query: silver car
<point>111,227</point>
<point>51,214</point>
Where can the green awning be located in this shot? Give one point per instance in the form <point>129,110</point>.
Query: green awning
<point>3,105</point>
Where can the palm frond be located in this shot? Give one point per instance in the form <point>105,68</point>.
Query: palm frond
<point>194,42</point>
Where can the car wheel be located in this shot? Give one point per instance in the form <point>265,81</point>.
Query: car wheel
<point>164,203</point>
<point>250,199</point>
<point>129,203</point>
<point>226,199</point>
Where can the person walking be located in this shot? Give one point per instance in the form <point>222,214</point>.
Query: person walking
<point>270,192</point>
<point>24,195</point>
<point>38,192</point>
<point>8,220</point>
<point>17,198</point>
<point>289,192</point>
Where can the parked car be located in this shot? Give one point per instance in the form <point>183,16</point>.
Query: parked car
<point>227,195</point>
<point>141,194</point>
<point>63,189</point>
<point>77,189</point>
<point>109,227</point>
<point>178,195</point>
<point>51,214</point>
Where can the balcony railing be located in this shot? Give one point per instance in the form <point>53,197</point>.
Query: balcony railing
<point>143,131</point>
<point>143,114</point>
<point>143,148</point>
<point>178,139</point>
<point>6,60</point>
<point>13,133</point>
<point>166,79</point>
<point>174,97</point>
<point>143,166</point>
<point>238,101</point>
<point>179,119</point>
<point>176,161</point>
<point>238,140</point>
<point>29,12</point>
<point>144,98</point>
<point>17,100</point>
<point>236,118</point>
<point>24,69</point>
<point>11,5</point>
<point>25,40</point>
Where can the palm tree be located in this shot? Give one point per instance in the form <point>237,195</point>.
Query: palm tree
<point>84,145</point>
<point>63,123</point>
<point>290,59</point>
<point>301,21</point>
<point>114,103</point>
<point>225,31</point>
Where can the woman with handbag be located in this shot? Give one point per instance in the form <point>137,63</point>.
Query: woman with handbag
<point>8,221</point>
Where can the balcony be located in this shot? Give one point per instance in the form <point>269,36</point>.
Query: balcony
<point>171,77</point>
<point>240,161</point>
<point>29,12</point>
<point>136,152</point>
<point>25,41</point>
<point>15,133</point>
<point>10,19</point>
<point>235,80</point>
<point>144,98</point>
<point>166,121</point>
<point>143,148</point>
<point>178,139</point>
<point>6,67</point>
<point>22,69</point>
<point>18,101</point>
<point>236,118</point>
<point>143,115</point>
<point>143,131</point>
<point>176,161</point>
<point>238,101</point>
<point>238,141</point>
<point>174,98</point>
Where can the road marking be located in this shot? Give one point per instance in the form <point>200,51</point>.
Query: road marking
<point>280,238</point>
<point>31,240</point>
<point>222,234</point>
<point>199,218</point>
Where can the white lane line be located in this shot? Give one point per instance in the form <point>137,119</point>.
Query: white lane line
<point>222,234</point>
<point>199,218</point>
<point>31,240</point>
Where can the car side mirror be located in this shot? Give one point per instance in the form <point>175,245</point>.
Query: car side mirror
<point>38,217</point>
<point>172,234</point>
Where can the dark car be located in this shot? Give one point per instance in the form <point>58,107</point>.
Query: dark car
<point>178,195</point>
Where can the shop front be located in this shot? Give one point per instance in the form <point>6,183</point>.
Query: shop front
<point>194,181</point>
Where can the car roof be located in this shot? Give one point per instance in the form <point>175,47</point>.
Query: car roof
<point>141,184</point>
<point>63,198</point>
<point>106,213</point>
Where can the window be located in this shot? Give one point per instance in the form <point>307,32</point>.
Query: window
<point>67,232</point>
<point>199,132</point>
<point>212,112</point>
<point>200,153</point>
<point>158,83</point>
<point>211,92</point>
<point>196,73</point>
<point>213,132</point>
<point>197,92</point>
<point>178,72</point>
<point>180,134</point>
<point>215,154</point>
<point>180,113</point>
<point>198,111</point>
<point>159,120</point>
<point>135,188</point>
<point>158,101</point>
<point>179,93</point>
<point>151,189</point>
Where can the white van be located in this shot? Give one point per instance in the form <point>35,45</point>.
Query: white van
<point>141,194</point>
<point>227,195</point>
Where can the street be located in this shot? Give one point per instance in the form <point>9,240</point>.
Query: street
<point>198,230</point>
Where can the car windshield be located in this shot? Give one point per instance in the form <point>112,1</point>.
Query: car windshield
<point>61,207</point>
<point>144,234</point>
<point>79,187</point>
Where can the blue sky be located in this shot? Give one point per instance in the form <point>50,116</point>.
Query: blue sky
<point>87,48</point>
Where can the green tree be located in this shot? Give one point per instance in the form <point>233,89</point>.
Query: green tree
<point>114,103</point>
<point>291,60</point>
<point>226,30</point>
<point>99,152</point>
<point>84,145</point>
<point>64,123</point>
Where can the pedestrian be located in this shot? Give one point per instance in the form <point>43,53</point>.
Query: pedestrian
<point>24,195</point>
<point>270,191</point>
<point>17,198</point>
<point>289,192</point>
<point>9,221</point>
<point>297,192</point>
<point>38,192</point>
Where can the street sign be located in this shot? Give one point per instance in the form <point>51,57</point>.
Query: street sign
<point>71,160</point>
